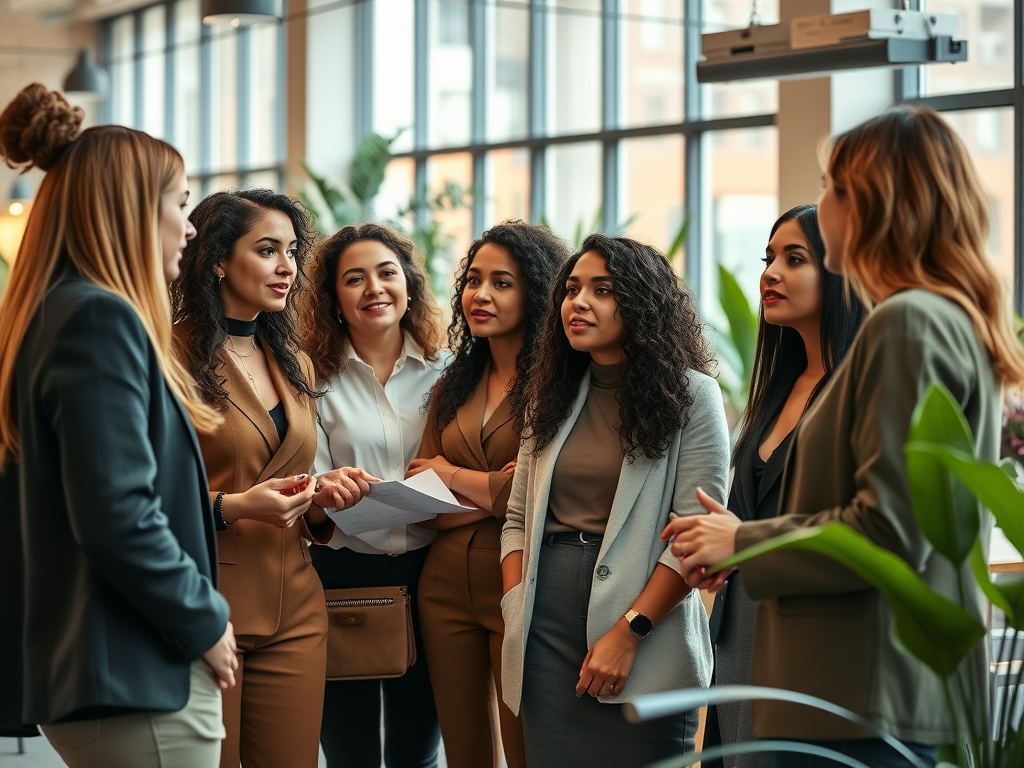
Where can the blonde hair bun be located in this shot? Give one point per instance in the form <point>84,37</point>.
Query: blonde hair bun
<point>36,127</point>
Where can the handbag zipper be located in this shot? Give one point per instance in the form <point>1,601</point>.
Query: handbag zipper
<point>361,602</point>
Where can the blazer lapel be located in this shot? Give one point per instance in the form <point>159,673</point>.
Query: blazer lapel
<point>501,416</point>
<point>299,422</point>
<point>632,477</point>
<point>470,418</point>
<point>242,396</point>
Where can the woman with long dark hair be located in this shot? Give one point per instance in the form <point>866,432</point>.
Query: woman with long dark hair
<point>374,332</point>
<point>909,233</point>
<point>807,324</point>
<point>623,423</point>
<point>236,332</point>
<point>471,441</point>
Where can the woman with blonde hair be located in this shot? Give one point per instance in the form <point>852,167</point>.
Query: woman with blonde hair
<point>905,220</point>
<point>106,530</point>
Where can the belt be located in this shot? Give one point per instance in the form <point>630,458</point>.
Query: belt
<point>576,538</point>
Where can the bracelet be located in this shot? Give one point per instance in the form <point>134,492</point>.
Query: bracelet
<point>218,512</point>
<point>452,481</point>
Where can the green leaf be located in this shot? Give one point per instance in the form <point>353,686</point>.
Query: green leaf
<point>927,625</point>
<point>946,511</point>
<point>366,174</point>
<point>979,567</point>
<point>679,240</point>
<point>742,320</point>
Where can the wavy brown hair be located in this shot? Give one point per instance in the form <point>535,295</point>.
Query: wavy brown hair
<point>221,220</point>
<point>324,338</point>
<point>97,212</point>
<point>919,219</point>
<point>664,339</point>
<point>538,253</point>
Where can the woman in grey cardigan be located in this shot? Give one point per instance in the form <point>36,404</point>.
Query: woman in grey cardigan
<point>623,424</point>
<point>905,219</point>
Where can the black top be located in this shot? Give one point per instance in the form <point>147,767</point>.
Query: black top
<point>280,420</point>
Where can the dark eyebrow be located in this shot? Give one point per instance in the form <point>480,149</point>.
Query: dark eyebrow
<point>360,269</point>
<point>789,247</point>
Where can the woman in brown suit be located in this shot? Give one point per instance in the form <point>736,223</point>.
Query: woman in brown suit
<point>471,440</point>
<point>235,330</point>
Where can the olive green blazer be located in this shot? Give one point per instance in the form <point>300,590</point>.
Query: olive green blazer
<point>820,629</point>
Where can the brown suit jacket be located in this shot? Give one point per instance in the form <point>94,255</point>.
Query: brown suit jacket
<point>467,442</point>
<point>245,451</point>
<point>822,630</point>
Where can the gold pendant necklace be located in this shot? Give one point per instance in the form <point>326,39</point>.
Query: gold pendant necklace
<point>231,348</point>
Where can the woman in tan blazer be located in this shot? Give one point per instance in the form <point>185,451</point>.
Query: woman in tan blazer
<point>235,332</point>
<point>471,441</point>
<point>909,234</point>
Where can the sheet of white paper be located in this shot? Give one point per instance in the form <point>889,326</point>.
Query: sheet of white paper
<point>398,502</point>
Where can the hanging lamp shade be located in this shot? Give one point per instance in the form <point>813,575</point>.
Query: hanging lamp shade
<point>86,77</point>
<point>238,12</point>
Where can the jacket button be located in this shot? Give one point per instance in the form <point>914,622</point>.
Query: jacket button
<point>602,572</point>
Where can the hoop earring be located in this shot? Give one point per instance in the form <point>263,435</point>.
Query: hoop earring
<point>341,319</point>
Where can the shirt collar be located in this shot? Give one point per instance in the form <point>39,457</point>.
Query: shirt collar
<point>409,350</point>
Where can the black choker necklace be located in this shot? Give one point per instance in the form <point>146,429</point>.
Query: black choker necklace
<point>238,327</point>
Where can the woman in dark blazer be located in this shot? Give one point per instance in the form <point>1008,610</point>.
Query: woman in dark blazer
<point>910,235</point>
<point>806,326</point>
<point>471,441</point>
<point>236,331</point>
<point>106,531</point>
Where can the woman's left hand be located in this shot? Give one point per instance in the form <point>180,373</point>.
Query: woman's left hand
<point>608,664</point>
<point>444,468</point>
<point>343,487</point>
<point>702,540</point>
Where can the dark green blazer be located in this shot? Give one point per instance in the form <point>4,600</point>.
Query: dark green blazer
<point>106,532</point>
<point>820,629</point>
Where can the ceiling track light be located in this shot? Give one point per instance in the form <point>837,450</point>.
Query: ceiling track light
<point>236,13</point>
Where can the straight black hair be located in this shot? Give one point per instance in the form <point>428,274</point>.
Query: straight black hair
<point>780,355</point>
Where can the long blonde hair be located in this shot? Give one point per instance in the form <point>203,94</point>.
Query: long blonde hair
<point>97,211</point>
<point>919,219</point>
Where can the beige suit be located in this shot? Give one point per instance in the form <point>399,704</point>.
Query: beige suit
<point>820,629</point>
<point>277,602</point>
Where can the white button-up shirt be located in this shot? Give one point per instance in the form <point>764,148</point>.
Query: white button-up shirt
<point>379,428</point>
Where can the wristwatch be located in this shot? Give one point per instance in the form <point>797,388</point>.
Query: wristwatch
<point>639,624</point>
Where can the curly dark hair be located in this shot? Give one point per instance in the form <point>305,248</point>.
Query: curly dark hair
<point>323,337</point>
<point>220,221</point>
<point>664,339</point>
<point>780,356</point>
<point>538,253</point>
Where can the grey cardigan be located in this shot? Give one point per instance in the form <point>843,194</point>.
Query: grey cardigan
<point>820,629</point>
<point>677,653</point>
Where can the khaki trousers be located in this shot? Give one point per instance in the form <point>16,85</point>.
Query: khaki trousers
<point>460,618</point>
<point>188,738</point>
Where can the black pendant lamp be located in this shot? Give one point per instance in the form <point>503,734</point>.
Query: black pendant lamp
<point>237,13</point>
<point>86,77</point>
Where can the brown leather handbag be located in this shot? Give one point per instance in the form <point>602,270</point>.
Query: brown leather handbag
<point>369,633</point>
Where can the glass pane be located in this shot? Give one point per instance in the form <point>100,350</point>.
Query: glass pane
<point>988,134</point>
<point>652,170</point>
<point>123,70</point>
<point>574,61</point>
<point>574,190</point>
<point>187,23</point>
<point>186,104</point>
<point>154,43</point>
<point>224,84</point>
<point>397,189</point>
<point>988,26</point>
<point>508,78</point>
<point>508,185</point>
<point>262,180</point>
<point>745,97</point>
<point>451,68</point>
<point>221,183</point>
<point>264,104</point>
<point>743,178</point>
<point>393,70</point>
<point>456,226</point>
<point>652,42</point>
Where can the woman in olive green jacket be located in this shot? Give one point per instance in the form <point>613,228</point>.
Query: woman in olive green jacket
<point>909,233</point>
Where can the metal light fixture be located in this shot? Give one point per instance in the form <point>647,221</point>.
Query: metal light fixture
<point>236,13</point>
<point>86,77</point>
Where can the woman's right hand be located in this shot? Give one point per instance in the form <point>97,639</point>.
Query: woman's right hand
<point>223,658</point>
<point>278,501</point>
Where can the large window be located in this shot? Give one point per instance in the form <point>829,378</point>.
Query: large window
<point>213,92</point>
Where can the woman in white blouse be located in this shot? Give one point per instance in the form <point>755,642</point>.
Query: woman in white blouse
<point>373,332</point>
